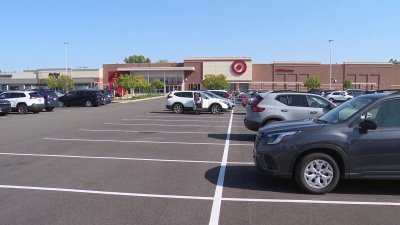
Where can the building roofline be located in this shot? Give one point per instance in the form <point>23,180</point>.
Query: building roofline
<point>155,69</point>
<point>367,63</point>
<point>217,58</point>
<point>298,62</point>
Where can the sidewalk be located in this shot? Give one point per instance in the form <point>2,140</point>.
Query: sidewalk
<point>136,100</point>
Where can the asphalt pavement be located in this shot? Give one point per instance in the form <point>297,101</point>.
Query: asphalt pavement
<point>138,163</point>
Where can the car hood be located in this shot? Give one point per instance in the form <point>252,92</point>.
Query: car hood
<point>293,125</point>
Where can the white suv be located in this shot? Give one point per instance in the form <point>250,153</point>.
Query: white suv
<point>24,101</point>
<point>338,96</point>
<point>180,101</point>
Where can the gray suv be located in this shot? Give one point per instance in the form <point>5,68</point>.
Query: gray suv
<point>276,106</point>
<point>358,139</point>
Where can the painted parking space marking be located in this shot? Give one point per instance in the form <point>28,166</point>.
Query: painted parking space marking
<point>216,206</point>
<point>163,125</point>
<point>105,192</point>
<point>146,132</point>
<point>146,142</point>
<point>161,120</point>
<point>122,158</point>
<point>185,197</point>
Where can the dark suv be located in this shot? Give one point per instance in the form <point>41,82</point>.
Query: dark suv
<point>358,139</point>
<point>86,98</point>
<point>50,99</point>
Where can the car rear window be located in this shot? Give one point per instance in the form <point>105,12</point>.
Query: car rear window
<point>184,94</point>
<point>35,94</point>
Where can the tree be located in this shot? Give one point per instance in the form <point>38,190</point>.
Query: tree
<point>162,61</point>
<point>312,82</point>
<point>394,61</point>
<point>124,82</point>
<point>137,59</point>
<point>137,83</point>
<point>66,82</point>
<point>52,82</point>
<point>63,82</point>
<point>157,84</point>
<point>347,84</point>
<point>212,81</point>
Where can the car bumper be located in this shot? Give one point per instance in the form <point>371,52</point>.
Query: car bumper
<point>275,164</point>
<point>36,107</point>
<point>5,110</point>
<point>252,125</point>
<point>52,104</point>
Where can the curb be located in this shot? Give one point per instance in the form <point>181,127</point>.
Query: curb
<point>136,100</point>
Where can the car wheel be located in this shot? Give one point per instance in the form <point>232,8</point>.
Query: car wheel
<point>269,122</point>
<point>49,109</point>
<point>215,109</point>
<point>178,108</point>
<point>22,109</point>
<point>317,173</point>
<point>88,103</point>
<point>61,104</point>
<point>331,100</point>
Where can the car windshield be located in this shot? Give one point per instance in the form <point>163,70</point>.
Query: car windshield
<point>213,95</point>
<point>345,110</point>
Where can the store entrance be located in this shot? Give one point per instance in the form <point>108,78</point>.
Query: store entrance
<point>170,88</point>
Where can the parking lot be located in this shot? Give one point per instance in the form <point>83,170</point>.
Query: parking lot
<point>138,163</point>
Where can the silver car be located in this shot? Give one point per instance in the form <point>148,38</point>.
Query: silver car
<point>276,106</point>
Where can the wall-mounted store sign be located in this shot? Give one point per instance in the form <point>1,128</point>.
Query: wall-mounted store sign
<point>5,75</point>
<point>239,67</point>
<point>283,71</point>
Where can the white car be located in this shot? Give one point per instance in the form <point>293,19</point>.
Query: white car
<point>181,101</point>
<point>339,96</point>
<point>24,101</point>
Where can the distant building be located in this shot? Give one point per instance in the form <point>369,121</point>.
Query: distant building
<point>243,74</point>
<point>29,79</point>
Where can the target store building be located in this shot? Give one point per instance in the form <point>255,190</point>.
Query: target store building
<point>242,74</point>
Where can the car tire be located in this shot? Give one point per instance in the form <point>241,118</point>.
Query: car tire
<point>178,108</point>
<point>215,109</point>
<point>88,103</point>
<point>315,168</point>
<point>49,109</point>
<point>331,100</point>
<point>36,112</point>
<point>22,109</point>
<point>269,122</point>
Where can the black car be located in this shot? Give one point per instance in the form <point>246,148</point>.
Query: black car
<point>86,98</point>
<point>5,107</point>
<point>109,95</point>
<point>50,98</point>
<point>358,139</point>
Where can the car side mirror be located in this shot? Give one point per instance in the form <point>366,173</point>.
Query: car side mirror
<point>366,125</point>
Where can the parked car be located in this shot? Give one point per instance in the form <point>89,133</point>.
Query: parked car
<point>181,101</point>
<point>271,107</point>
<point>86,98</point>
<point>355,92</point>
<point>359,139</point>
<point>222,93</point>
<point>338,96</point>
<point>5,107</point>
<point>227,101</point>
<point>24,101</point>
<point>103,97</point>
<point>109,94</point>
<point>50,98</point>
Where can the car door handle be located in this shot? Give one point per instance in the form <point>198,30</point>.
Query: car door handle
<point>313,112</point>
<point>284,110</point>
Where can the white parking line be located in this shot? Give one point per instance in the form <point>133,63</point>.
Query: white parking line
<point>105,192</point>
<point>146,142</point>
<point>312,201</point>
<point>164,125</point>
<point>186,197</point>
<point>216,206</point>
<point>124,141</point>
<point>144,131</point>
<point>122,158</point>
<point>204,120</point>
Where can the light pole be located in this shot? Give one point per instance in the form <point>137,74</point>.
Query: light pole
<point>330,64</point>
<point>66,57</point>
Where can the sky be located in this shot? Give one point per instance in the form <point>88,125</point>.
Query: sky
<point>32,33</point>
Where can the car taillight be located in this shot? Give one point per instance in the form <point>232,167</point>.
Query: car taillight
<point>255,107</point>
<point>169,96</point>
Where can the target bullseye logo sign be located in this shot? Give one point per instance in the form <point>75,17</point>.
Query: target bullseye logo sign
<point>239,67</point>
